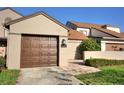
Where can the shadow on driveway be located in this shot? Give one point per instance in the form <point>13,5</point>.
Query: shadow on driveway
<point>46,76</point>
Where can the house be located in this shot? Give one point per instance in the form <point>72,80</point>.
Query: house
<point>6,15</point>
<point>37,40</point>
<point>110,37</point>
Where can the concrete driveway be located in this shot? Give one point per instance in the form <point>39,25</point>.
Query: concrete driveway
<point>46,76</point>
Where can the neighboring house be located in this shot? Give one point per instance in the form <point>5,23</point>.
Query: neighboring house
<point>110,37</point>
<point>6,15</point>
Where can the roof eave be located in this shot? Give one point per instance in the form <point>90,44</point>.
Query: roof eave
<point>36,14</point>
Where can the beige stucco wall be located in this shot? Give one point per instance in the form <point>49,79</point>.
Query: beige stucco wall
<point>96,33</point>
<point>8,13</point>
<point>119,55</point>
<point>3,15</point>
<point>38,25</point>
<point>73,52</point>
<point>13,51</point>
<point>63,53</point>
<point>1,31</point>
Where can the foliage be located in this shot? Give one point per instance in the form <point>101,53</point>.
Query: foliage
<point>8,77</point>
<point>111,75</point>
<point>89,45</point>
<point>2,62</point>
<point>103,62</point>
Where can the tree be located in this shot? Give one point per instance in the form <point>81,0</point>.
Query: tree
<point>89,45</point>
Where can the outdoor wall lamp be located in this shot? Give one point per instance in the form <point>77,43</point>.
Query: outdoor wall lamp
<point>63,44</point>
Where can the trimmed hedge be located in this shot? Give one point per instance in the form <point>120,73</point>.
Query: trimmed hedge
<point>103,62</point>
<point>89,45</point>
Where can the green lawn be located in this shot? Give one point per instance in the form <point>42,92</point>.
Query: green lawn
<point>8,77</point>
<point>113,75</point>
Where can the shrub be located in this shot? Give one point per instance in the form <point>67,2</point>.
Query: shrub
<point>103,62</point>
<point>2,62</point>
<point>89,45</point>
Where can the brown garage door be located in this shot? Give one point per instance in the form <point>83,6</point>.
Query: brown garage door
<point>37,51</point>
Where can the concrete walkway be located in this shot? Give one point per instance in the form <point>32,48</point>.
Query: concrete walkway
<point>78,67</point>
<point>46,76</point>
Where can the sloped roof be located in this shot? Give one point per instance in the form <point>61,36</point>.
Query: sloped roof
<point>34,15</point>
<point>110,32</point>
<point>86,25</point>
<point>98,27</point>
<point>75,35</point>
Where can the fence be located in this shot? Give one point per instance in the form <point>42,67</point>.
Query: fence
<point>118,55</point>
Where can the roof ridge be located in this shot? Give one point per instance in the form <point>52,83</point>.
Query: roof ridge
<point>86,23</point>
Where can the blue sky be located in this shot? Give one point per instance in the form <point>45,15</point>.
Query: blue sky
<point>113,16</point>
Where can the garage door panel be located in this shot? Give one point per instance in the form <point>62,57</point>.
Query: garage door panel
<point>52,61</point>
<point>30,55</point>
<point>52,50</point>
<point>52,55</point>
<point>30,59</point>
<point>53,46</point>
<point>38,51</point>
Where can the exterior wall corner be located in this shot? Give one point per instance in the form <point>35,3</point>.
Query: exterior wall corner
<point>13,51</point>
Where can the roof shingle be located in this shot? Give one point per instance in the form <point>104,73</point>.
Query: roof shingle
<point>75,35</point>
<point>85,25</point>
